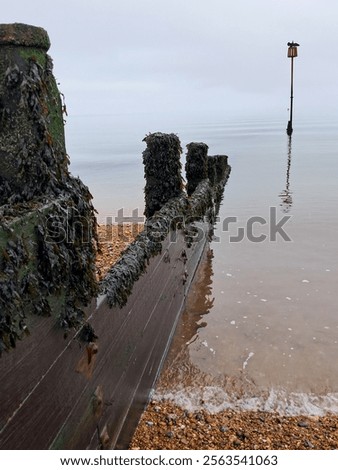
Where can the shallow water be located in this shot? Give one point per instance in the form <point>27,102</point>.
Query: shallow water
<point>261,325</point>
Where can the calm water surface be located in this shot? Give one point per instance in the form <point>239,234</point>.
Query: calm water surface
<point>261,325</point>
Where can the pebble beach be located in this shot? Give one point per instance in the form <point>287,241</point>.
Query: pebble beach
<point>112,241</point>
<point>165,426</point>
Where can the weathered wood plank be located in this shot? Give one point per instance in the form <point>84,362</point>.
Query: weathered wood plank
<point>126,352</point>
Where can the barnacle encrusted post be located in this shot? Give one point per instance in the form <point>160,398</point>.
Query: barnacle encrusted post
<point>47,220</point>
<point>162,170</point>
<point>196,167</point>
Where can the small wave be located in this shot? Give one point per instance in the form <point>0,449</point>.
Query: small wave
<point>215,399</point>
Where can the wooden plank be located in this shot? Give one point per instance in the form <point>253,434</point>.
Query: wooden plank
<point>155,361</point>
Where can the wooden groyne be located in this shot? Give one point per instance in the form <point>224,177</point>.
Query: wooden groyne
<point>77,368</point>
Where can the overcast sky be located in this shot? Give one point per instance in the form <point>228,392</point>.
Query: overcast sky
<point>207,59</point>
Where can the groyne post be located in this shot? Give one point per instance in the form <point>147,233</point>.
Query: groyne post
<point>33,157</point>
<point>196,167</point>
<point>47,221</point>
<point>217,167</point>
<point>162,170</point>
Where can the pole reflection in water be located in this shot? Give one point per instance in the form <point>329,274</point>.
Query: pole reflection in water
<point>286,194</point>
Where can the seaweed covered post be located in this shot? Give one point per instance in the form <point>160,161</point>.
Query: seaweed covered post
<point>162,170</point>
<point>218,174</point>
<point>33,158</point>
<point>47,220</point>
<point>212,175</point>
<point>196,166</point>
<point>221,165</point>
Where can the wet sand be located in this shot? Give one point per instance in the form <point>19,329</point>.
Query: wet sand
<point>166,426</point>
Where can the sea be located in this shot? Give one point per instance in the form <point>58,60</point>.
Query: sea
<point>260,327</point>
